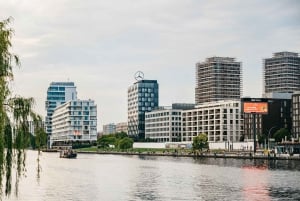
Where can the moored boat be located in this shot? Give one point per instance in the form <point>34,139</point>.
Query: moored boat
<point>69,153</point>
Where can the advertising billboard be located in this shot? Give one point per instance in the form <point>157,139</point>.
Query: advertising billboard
<point>256,107</point>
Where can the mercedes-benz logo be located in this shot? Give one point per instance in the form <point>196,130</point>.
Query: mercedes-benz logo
<point>139,75</point>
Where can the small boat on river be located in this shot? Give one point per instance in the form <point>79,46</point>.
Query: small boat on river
<point>69,153</point>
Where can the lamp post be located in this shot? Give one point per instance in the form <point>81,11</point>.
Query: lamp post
<point>269,136</point>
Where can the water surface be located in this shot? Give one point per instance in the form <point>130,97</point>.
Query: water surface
<point>115,177</point>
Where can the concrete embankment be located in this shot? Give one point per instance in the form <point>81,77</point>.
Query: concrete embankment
<point>203,155</point>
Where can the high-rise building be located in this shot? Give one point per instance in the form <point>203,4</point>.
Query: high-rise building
<point>218,78</point>
<point>282,73</point>
<point>58,93</point>
<point>142,97</point>
<point>74,121</point>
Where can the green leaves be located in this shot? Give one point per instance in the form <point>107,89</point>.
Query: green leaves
<point>281,134</point>
<point>7,59</point>
<point>14,131</point>
<point>118,140</point>
<point>200,142</point>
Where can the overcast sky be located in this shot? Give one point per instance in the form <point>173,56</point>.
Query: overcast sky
<point>100,44</point>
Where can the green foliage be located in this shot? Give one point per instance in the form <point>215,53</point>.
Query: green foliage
<point>120,135</point>
<point>281,133</point>
<point>19,110</point>
<point>117,140</point>
<point>200,142</point>
<point>125,143</point>
<point>106,140</point>
<point>39,131</point>
<point>261,138</point>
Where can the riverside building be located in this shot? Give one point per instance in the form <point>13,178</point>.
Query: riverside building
<point>279,116</point>
<point>296,114</point>
<point>220,120</point>
<point>58,93</point>
<point>218,78</point>
<point>142,97</point>
<point>109,129</point>
<point>74,121</point>
<point>163,124</point>
<point>282,73</point>
<point>121,127</point>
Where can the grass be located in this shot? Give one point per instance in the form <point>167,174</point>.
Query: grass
<point>134,150</point>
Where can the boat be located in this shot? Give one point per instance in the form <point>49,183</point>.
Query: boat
<point>69,153</point>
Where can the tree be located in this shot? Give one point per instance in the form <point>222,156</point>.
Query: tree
<point>106,140</point>
<point>38,139</point>
<point>40,134</point>
<point>200,142</point>
<point>281,134</point>
<point>125,143</point>
<point>18,108</point>
<point>261,138</point>
<point>121,135</point>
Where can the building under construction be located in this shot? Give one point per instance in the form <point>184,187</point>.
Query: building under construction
<point>218,78</point>
<point>282,73</point>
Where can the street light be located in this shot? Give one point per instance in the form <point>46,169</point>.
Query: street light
<point>269,135</point>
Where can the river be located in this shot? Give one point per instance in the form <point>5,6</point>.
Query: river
<point>115,177</point>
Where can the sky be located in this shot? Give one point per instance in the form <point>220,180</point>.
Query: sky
<point>100,44</point>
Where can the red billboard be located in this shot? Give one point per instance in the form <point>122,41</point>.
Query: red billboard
<point>256,107</point>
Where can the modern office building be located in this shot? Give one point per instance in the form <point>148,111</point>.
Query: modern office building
<point>282,73</point>
<point>218,78</point>
<point>279,116</point>
<point>163,124</point>
<point>58,93</point>
<point>142,97</point>
<point>296,114</point>
<point>74,121</point>
<point>109,129</point>
<point>220,120</point>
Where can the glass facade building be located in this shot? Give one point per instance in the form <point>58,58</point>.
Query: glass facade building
<point>58,93</point>
<point>142,97</point>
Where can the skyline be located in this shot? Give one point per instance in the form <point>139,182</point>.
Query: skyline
<point>61,40</point>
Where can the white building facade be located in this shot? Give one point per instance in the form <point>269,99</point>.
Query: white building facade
<point>163,125</point>
<point>58,93</point>
<point>74,121</point>
<point>221,121</point>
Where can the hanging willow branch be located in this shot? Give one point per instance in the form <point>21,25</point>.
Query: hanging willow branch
<point>14,132</point>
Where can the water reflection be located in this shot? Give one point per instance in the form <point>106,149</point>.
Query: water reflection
<point>147,183</point>
<point>255,183</point>
<point>293,165</point>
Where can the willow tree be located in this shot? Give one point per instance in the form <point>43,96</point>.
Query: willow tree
<point>14,113</point>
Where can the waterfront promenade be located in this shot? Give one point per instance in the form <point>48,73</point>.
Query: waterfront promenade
<point>211,154</point>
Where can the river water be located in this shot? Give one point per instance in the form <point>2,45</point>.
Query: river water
<point>115,177</point>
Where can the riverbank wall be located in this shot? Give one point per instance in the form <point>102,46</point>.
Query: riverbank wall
<point>243,155</point>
